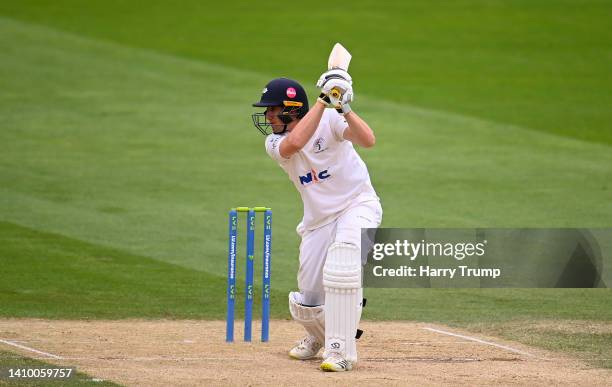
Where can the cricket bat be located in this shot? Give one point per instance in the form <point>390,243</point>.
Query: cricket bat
<point>339,58</point>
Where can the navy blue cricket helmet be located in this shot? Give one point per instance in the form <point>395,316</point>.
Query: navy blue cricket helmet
<point>281,92</point>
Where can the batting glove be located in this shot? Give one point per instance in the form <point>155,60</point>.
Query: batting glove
<point>336,88</point>
<point>336,91</point>
<point>334,74</point>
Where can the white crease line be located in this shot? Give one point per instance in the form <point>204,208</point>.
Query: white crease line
<point>484,342</point>
<point>30,349</point>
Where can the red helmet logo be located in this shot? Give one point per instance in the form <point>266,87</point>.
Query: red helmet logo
<point>291,93</point>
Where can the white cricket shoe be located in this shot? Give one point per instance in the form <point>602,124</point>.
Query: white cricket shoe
<point>336,363</point>
<point>306,349</point>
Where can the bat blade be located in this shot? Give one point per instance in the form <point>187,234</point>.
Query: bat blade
<point>339,58</point>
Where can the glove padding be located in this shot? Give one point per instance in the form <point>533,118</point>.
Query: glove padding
<point>336,88</point>
<point>334,74</point>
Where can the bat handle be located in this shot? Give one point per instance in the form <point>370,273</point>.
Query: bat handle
<point>336,93</point>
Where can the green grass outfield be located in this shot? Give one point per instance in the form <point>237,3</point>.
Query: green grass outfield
<point>125,136</point>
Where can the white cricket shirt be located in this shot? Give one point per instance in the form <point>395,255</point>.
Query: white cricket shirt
<point>327,172</point>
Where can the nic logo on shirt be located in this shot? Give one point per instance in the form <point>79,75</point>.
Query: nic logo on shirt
<point>314,176</point>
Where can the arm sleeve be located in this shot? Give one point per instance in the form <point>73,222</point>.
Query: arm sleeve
<point>273,142</point>
<point>337,123</point>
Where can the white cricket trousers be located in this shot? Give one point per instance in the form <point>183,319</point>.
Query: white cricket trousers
<point>313,249</point>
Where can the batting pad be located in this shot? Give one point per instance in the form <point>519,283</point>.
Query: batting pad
<point>312,318</point>
<point>342,283</point>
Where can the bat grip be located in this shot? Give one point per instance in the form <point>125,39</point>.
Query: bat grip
<point>335,93</point>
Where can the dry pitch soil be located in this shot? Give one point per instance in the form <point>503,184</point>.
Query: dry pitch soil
<point>162,352</point>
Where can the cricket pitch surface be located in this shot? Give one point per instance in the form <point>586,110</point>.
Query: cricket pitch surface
<point>188,352</point>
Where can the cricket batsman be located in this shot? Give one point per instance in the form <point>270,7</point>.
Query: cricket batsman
<point>315,147</point>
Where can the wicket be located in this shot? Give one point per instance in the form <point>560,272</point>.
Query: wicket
<point>231,272</point>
